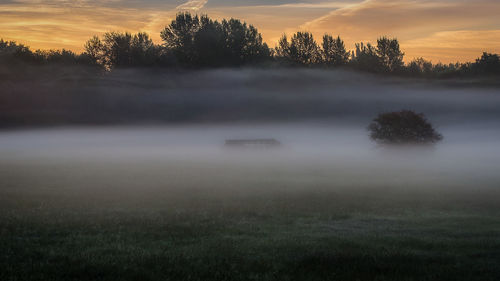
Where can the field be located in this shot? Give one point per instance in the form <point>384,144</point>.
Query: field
<point>98,212</point>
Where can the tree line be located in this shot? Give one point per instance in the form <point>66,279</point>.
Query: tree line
<point>192,41</point>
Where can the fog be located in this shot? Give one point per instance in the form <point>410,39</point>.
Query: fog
<point>320,117</point>
<point>148,97</point>
<point>337,153</point>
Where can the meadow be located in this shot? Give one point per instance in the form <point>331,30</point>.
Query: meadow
<point>75,204</point>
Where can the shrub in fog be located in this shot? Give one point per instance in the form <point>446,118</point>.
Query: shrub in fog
<point>403,127</point>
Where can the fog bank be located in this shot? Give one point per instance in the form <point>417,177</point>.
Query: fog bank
<point>236,95</point>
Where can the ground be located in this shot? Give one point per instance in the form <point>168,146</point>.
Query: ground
<point>189,220</point>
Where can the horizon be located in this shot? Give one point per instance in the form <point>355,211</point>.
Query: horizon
<point>438,30</point>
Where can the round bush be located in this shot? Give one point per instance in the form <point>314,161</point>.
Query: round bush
<point>403,127</point>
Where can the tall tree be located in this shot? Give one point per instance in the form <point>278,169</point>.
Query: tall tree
<point>179,37</point>
<point>208,44</point>
<point>488,63</point>
<point>201,41</point>
<point>95,49</point>
<point>117,49</point>
<point>142,50</point>
<point>391,57</point>
<point>301,50</point>
<point>244,43</point>
<point>365,58</point>
<point>334,51</point>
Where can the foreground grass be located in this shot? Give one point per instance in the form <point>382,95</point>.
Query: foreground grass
<point>123,222</point>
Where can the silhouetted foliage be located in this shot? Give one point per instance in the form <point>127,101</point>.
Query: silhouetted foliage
<point>488,63</point>
<point>365,58</point>
<point>389,54</point>
<point>334,51</point>
<point>10,52</point>
<point>179,37</point>
<point>403,127</point>
<point>123,50</point>
<point>244,43</point>
<point>301,50</point>
<point>201,41</point>
<point>192,41</point>
<point>14,54</point>
<point>420,66</point>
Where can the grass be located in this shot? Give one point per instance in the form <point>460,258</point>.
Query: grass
<point>70,220</point>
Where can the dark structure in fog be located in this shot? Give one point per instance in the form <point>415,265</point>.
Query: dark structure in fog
<point>253,143</point>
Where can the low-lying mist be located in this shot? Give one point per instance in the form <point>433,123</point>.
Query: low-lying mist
<point>336,154</point>
<point>166,131</point>
<point>229,95</point>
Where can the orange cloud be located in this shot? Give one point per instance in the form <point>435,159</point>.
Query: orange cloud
<point>452,46</point>
<point>445,30</point>
<point>192,5</point>
<point>416,22</point>
<point>51,27</point>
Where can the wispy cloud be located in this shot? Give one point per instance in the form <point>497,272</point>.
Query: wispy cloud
<point>192,5</point>
<point>451,46</point>
<point>447,30</point>
<point>411,20</point>
<point>58,26</point>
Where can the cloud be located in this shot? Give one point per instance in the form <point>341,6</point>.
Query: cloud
<point>451,46</point>
<point>410,21</point>
<point>58,26</point>
<point>451,29</point>
<point>192,5</point>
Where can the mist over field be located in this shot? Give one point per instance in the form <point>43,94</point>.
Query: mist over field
<point>244,95</point>
<point>127,175</point>
<point>207,154</point>
<point>319,116</point>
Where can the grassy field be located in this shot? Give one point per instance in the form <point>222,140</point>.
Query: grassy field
<point>105,220</point>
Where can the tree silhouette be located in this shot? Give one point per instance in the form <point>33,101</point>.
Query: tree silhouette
<point>201,41</point>
<point>11,52</point>
<point>420,66</point>
<point>488,63</point>
<point>334,51</point>
<point>143,51</point>
<point>389,54</point>
<point>301,50</point>
<point>179,36</point>
<point>244,43</point>
<point>94,49</point>
<point>117,50</point>
<point>192,41</point>
<point>402,127</point>
<point>365,58</point>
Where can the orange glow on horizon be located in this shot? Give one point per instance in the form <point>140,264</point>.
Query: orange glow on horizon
<point>436,30</point>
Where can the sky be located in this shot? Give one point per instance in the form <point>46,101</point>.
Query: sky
<point>438,30</point>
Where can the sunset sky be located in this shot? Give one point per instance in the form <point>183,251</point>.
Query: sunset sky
<point>439,30</point>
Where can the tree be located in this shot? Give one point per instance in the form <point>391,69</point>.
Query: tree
<point>302,49</point>
<point>420,66</point>
<point>334,52</point>
<point>208,44</point>
<point>201,41</point>
<point>94,49</point>
<point>117,49</point>
<point>488,63</point>
<point>390,54</point>
<point>142,49</point>
<point>179,37</point>
<point>11,51</point>
<point>403,127</point>
<point>365,58</point>
<point>244,43</point>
